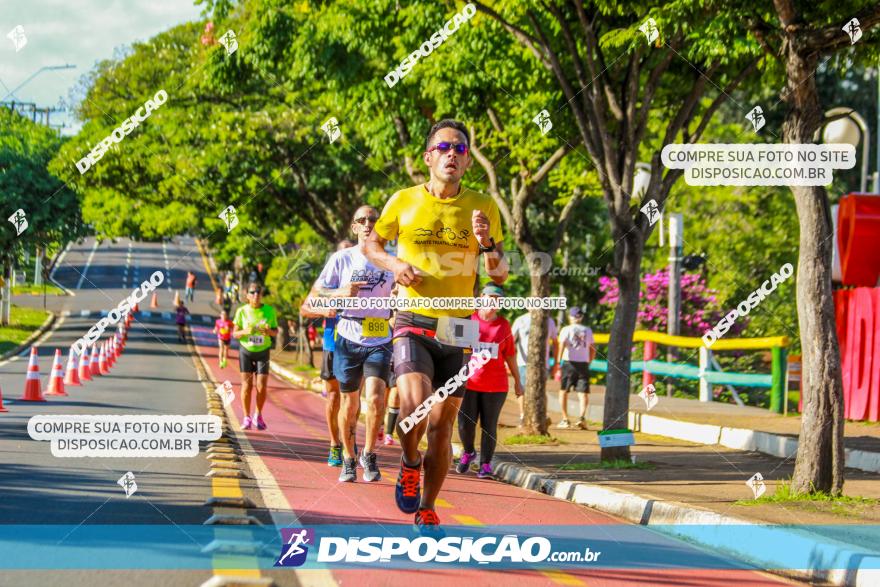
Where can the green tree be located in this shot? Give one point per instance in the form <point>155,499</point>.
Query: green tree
<point>612,81</point>
<point>799,35</point>
<point>51,209</point>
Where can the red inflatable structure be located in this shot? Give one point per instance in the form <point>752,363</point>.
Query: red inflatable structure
<point>858,308</point>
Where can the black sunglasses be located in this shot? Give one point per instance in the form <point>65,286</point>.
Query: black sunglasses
<point>255,291</point>
<point>444,147</point>
<point>364,219</point>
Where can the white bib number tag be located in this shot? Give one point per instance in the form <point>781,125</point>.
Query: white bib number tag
<point>255,339</point>
<point>460,332</point>
<point>492,347</point>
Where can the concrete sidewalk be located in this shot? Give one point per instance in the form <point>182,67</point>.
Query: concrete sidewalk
<point>712,423</point>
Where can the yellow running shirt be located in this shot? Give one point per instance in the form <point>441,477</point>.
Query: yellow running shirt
<point>436,237</point>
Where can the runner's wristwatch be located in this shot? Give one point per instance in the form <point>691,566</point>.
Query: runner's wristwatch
<point>489,249</point>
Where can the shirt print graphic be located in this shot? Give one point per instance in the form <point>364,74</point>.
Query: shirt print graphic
<point>579,340</point>
<point>374,279</point>
<point>442,236</point>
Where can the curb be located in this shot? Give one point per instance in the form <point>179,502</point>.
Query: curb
<point>776,445</point>
<point>274,501</point>
<point>44,327</point>
<point>664,516</point>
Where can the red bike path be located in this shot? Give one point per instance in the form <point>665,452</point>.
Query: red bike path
<point>294,449</point>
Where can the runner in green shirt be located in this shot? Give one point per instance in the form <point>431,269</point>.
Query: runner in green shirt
<point>255,324</point>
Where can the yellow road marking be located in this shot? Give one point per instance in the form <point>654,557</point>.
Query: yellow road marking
<point>207,267</point>
<point>562,578</point>
<point>225,487</point>
<point>467,520</point>
<point>442,503</point>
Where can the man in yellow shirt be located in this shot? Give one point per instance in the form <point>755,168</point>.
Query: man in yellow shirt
<point>441,229</point>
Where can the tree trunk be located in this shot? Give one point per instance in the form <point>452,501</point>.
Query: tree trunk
<point>535,403</point>
<point>820,456</point>
<point>620,344</point>
<point>283,333</point>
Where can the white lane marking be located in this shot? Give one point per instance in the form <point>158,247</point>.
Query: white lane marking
<point>88,264</point>
<point>84,313</point>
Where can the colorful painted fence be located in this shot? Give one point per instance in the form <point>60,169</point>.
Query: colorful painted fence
<point>651,366</point>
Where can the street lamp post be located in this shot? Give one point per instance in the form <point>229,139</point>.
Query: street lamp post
<point>846,130</point>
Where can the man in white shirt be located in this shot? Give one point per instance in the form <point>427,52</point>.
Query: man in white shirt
<point>520,330</point>
<point>576,351</point>
<point>363,344</point>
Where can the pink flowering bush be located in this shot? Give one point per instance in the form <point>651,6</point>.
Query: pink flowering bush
<point>699,304</point>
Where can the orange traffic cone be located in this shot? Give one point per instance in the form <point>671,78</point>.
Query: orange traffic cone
<point>116,348</point>
<point>108,355</point>
<point>56,377</point>
<point>33,392</point>
<point>85,370</point>
<point>2,409</point>
<point>136,308</point>
<point>93,365</point>
<point>71,377</point>
<point>102,361</point>
<point>154,301</point>
<point>176,298</point>
<point>218,299</point>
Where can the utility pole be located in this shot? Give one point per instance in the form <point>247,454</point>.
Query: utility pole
<point>676,228</point>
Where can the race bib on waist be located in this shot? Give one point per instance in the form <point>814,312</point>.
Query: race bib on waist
<point>459,332</point>
<point>492,347</point>
<point>255,339</point>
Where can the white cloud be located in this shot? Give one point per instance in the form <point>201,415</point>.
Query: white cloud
<point>79,32</point>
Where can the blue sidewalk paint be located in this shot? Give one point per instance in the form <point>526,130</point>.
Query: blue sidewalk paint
<point>399,547</point>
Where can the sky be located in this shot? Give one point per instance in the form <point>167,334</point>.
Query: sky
<point>76,32</point>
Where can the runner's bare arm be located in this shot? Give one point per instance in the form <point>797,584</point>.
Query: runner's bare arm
<point>514,372</point>
<point>494,262</point>
<point>306,309</point>
<point>404,273</point>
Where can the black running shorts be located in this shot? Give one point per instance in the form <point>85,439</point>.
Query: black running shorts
<point>417,353</point>
<point>575,375</point>
<point>249,362</point>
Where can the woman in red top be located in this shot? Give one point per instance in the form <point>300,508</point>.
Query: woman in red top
<point>223,330</point>
<point>487,388</point>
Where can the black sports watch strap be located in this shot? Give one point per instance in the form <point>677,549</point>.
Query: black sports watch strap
<point>490,249</point>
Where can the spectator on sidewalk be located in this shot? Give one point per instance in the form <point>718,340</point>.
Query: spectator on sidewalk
<point>520,330</point>
<point>487,388</point>
<point>190,286</point>
<point>576,351</point>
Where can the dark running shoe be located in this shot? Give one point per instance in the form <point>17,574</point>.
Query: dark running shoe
<point>349,471</point>
<point>408,492</point>
<point>427,523</point>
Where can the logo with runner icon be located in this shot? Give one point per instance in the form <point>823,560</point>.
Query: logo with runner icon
<point>372,278</point>
<point>293,549</point>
